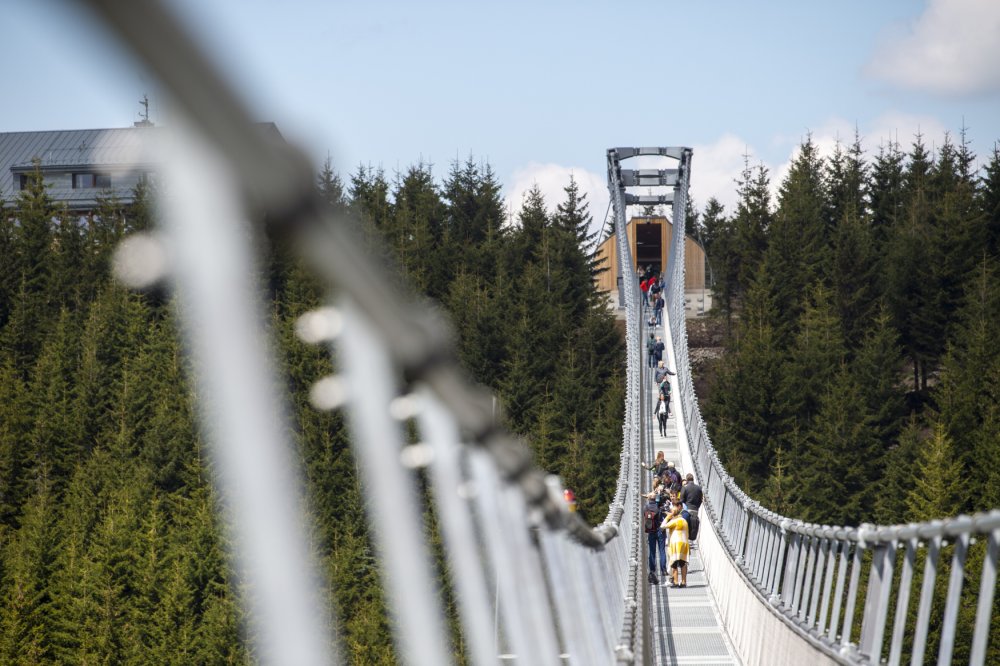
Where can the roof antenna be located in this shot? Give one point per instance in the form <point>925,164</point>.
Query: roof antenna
<point>144,114</point>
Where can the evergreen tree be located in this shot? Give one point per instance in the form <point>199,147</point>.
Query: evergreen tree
<point>415,232</point>
<point>911,281</point>
<point>574,246</point>
<point>474,217</point>
<point>54,442</point>
<point>34,304</point>
<point>9,275</point>
<point>901,469</point>
<point>878,368</point>
<point>369,203</point>
<point>797,240</point>
<point>479,316</point>
<point>331,187</point>
<point>846,179</point>
<point>713,224</point>
<point>751,224</point>
<point>815,356</point>
<point>967,394</point>
<point>15,424</point>
<point>989,202</point>
<point>852,277</point>
<point>26,614</point>
<point>839,459</point>
<point>958,225</point>
<point>744,413</point>
<point>105,228</point>
<point>936,486</point>
<point>887,198</point>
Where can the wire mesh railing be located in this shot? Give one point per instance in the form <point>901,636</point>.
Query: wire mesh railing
<point>533,582</point>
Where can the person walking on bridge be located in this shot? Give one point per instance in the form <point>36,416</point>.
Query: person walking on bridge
<point>678,546</point>
<point>661,372</point>
<point>692,496</point>
<point>655,537</point>
<point>658,349</point>
<point>659,466</point>
<point>661,411</point>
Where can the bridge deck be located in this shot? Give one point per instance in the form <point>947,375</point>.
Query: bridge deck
<point>686,627</point>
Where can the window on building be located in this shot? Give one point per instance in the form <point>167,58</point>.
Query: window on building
<point>82,181</point>
<point>22,181</point>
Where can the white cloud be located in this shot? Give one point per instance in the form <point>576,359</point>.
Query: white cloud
<point>552,180</point>
<point>953,48</point>
<point>715,167</point>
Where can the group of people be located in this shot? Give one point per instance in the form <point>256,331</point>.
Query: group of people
<point>651,286</point>
<point>662,409</point>
<point>670,510</point>
<point>670,520</point>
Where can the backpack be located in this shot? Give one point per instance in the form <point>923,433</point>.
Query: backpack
<point>650,514</point>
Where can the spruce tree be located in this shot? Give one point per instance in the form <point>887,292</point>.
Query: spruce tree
<point>9,274</point>
<point>331,187</point>
<point>28,564</point>
<point>816,354</point>
<point>574,246</point>
<point>742,416</point>
<point>416,229</point>
<point>846,181</point>
<point>34,299</point>
<point>967,393</point>
<point>15,424</point>
<point>751,224</point>
<point>911,272</point>
<point>901,469</point>
<point>55,441</point>
<point>840,457</point>
<point>936,486</point>
<point>887,197</point>
<point>853,277</point>
<point>479,317</point>
<point>369,204</point>
<point>989,202</point>
<point>797,240</point>
<point>878,368</point>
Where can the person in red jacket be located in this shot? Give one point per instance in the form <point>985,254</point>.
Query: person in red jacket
<point>644,286</point>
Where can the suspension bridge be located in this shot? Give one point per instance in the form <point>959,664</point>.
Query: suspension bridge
<point>533,583</point>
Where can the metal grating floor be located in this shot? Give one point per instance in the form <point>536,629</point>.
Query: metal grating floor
<point>686,628</point>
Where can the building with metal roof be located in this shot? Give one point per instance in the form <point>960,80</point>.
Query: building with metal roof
<point>78,165</point>
<point>81,165</point>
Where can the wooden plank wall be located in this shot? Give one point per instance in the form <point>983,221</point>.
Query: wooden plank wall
<point>694,256</point>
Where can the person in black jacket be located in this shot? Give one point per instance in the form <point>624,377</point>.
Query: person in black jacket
<point>662,410</point>
<point>692,496</point>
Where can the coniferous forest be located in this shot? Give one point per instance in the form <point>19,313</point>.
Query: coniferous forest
<point>861,309</point>
<point>859,381</point>
<point>111,550</point>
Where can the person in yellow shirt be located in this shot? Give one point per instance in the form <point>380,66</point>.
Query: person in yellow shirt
<point>677,545</point>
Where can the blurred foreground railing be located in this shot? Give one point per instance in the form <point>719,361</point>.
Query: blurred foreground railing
<point>533,582</point>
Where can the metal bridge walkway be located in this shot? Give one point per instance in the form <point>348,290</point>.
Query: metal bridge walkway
<point>686,627</point>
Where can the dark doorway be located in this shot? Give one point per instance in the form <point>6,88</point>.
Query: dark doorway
<point>648,247</point>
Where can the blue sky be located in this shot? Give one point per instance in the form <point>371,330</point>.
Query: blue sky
<point>541,89</point>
